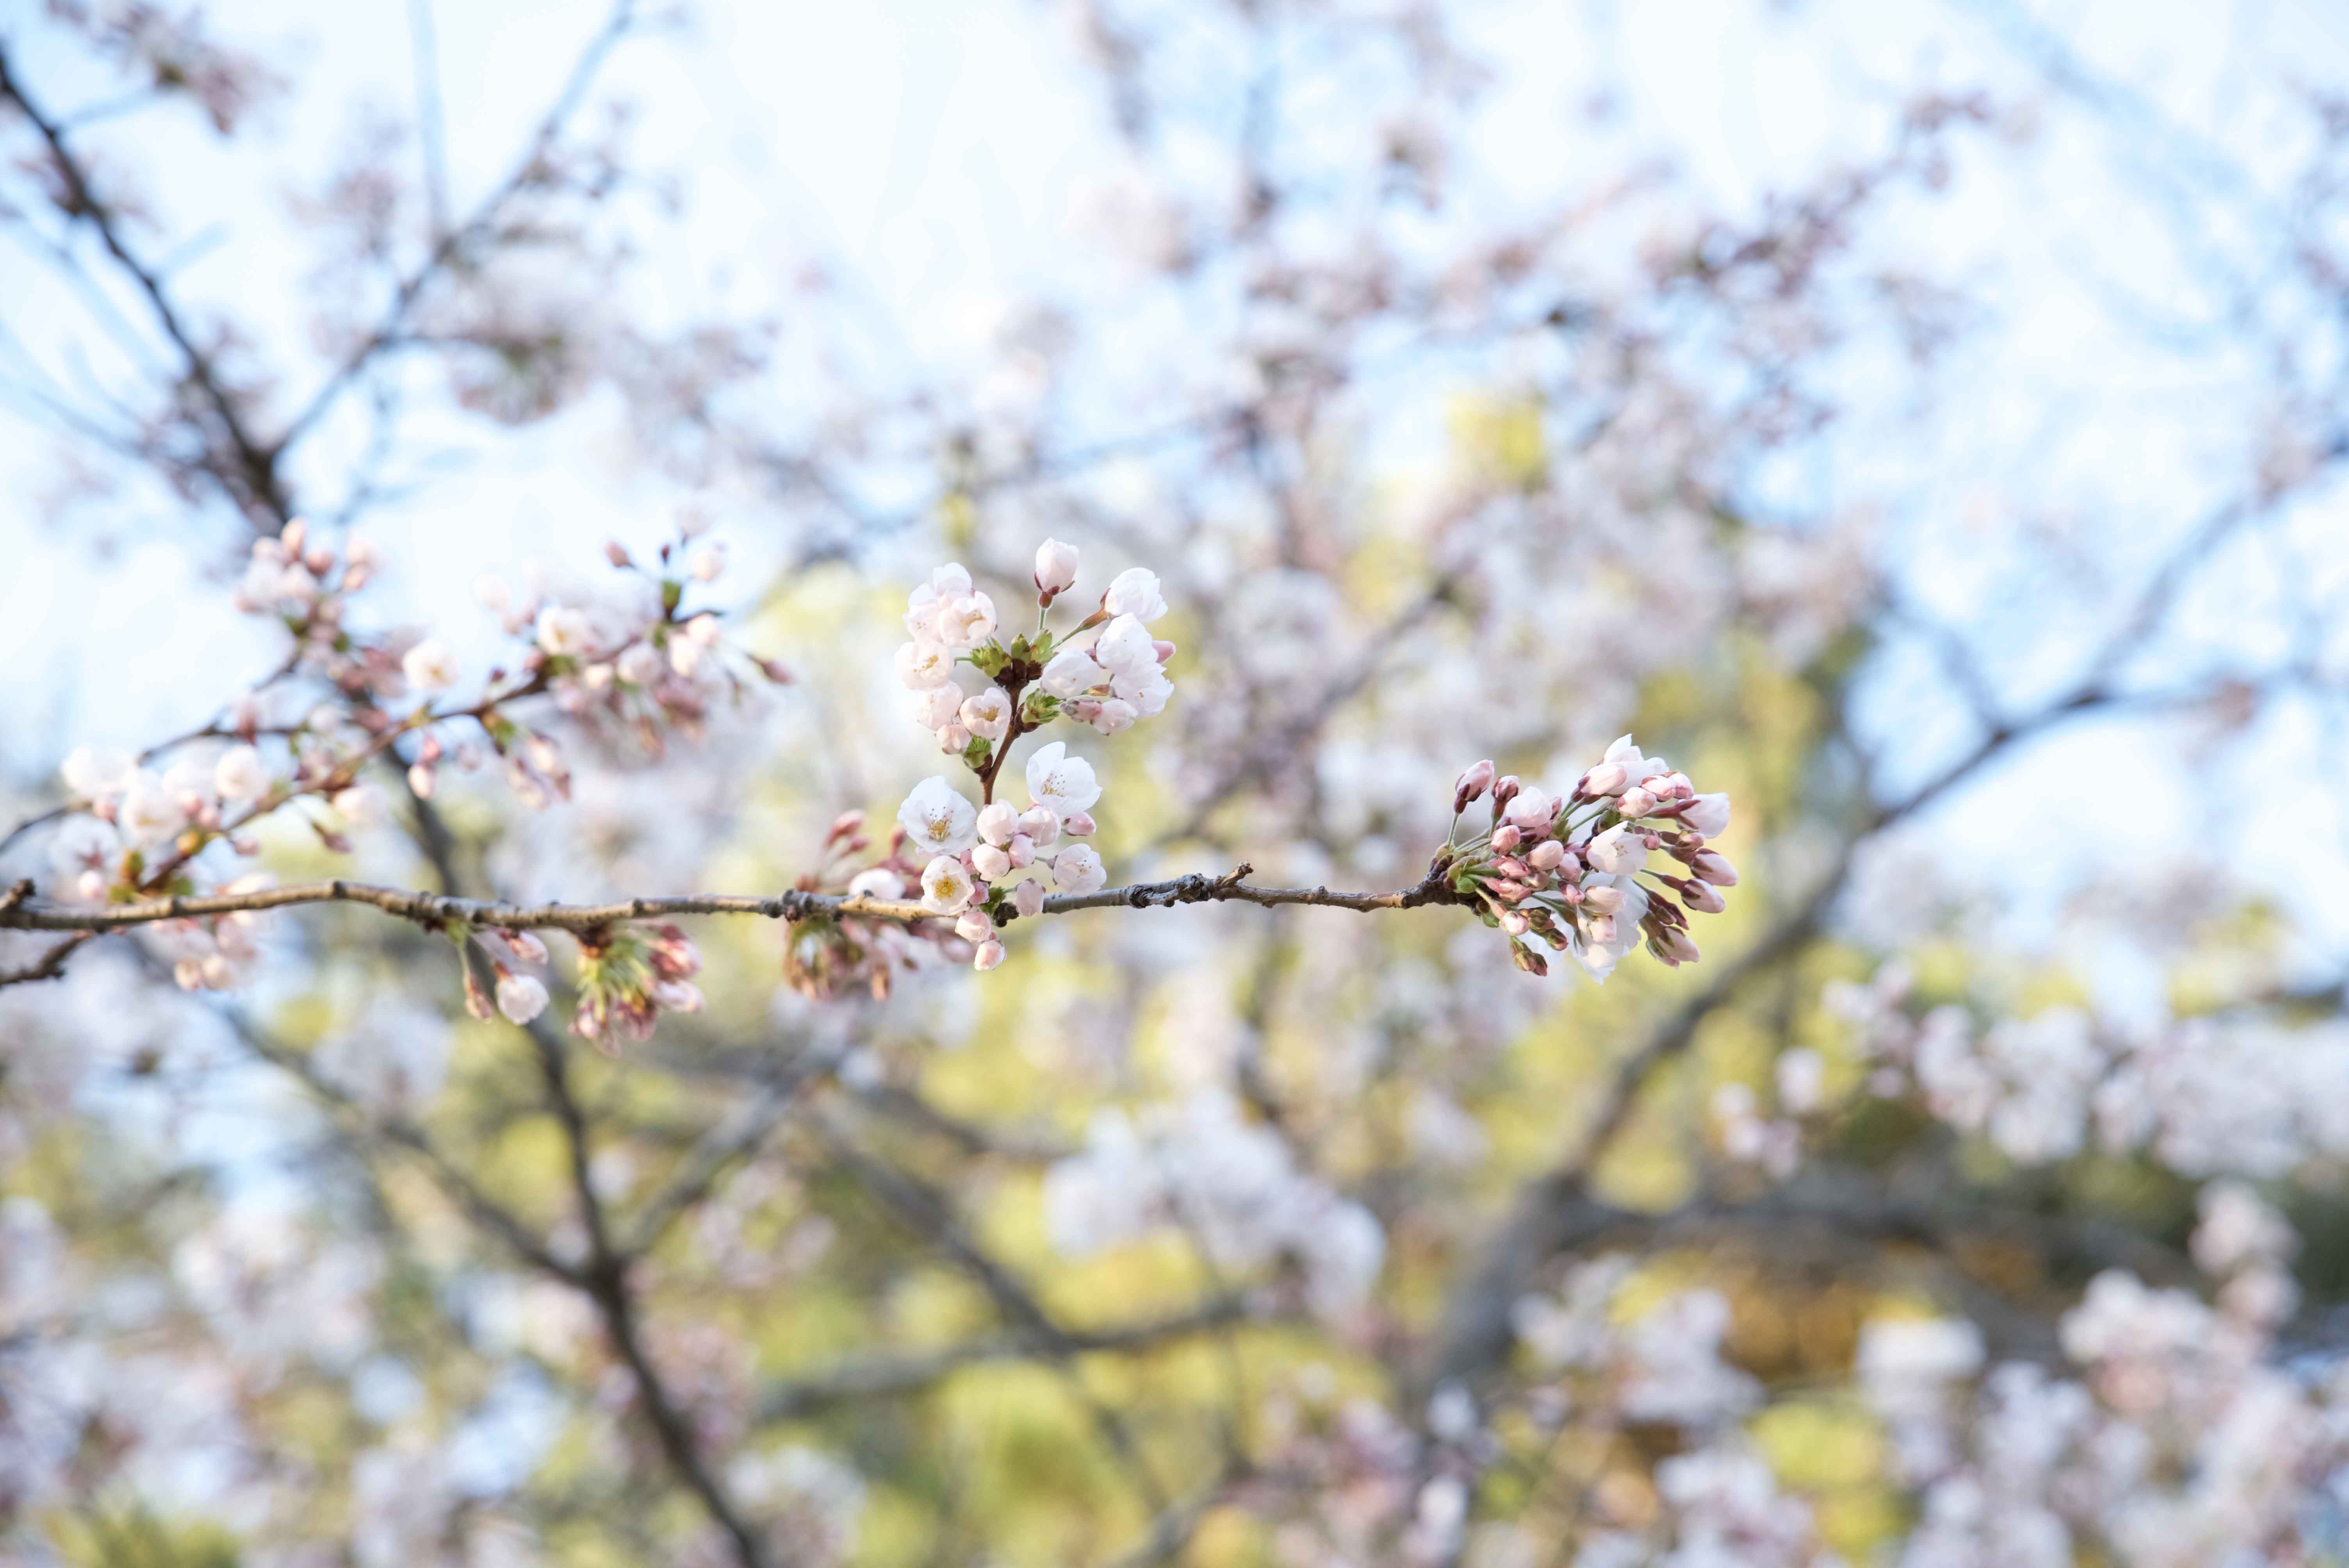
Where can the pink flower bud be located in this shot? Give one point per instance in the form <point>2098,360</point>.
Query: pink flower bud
<point>1507,837</point>
<point>1162,648</point>
<point>674,955</point>
<point>1604,900</point>
<point>421,779</point>
<point>998,821</point>
<point>1510,866</point>
<point>1040,826</point>
<point>290,536</point>
<point>1545,855</point>
<point>1708,814</point>
<point>991,861</point>
<point>1635,801</point>
<point>1078,824</point>
<point>1056,570</point>
<point>616,552</point>
<point>1028,898</point>
<point>845,824</point>
<point>972,925</point>
<point>1673,946</point>
<point>990,955</point>
<point>1714,868</point>
<point>1471,785</point>
<point>953,738</point>
<point>1515,922</point>
<point>1023,850</point>
<point>1504,790</point>
<point>1702,897</point>
<point>1606,778</point>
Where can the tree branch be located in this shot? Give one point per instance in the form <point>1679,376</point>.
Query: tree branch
<point>437,911</point>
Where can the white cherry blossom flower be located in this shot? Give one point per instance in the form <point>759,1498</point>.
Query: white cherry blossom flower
<point>93,773</point>
<point>987,715</point>
<point>151,811</point>
<point>1113,715</point>
<point>1135,591</point>
<point>430,665</point>
<point>639,664</point>
<point>921,665</point>
<point>1618,851</point>
<point>946,886</point>
<point>1124,646</point>
<point>564,632</point>
<point>1079,869</point>
<point>936,706</point>
<point>937,819</point>
<point>1146,692</point>
<point>239,775</point>
<point>1060,781</point>
<point>1071,672</point>
<point>964,623</point>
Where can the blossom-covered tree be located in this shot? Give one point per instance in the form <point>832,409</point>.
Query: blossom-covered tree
<point>1266,1066</point>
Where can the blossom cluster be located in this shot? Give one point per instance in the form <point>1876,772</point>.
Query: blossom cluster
<point>1665,1367</point>
<point>1201,1169</point>
<point>2205,1096</point>
<point>2180,1439</point>
<point>1565,868</point>
<point>637,659</point>
<point>981,864</point>
<point>627,976</point>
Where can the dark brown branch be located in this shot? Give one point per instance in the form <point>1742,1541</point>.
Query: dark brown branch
<point>438,911</point>
<point>252,481</point>
<point>894,1376</point>
<point>604,1279</point>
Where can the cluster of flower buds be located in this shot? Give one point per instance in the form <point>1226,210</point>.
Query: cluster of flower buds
<point>521,995</point>
<point>628,975</point>
<point>303,581</point>
<point>1566,869</point>
<point>636,659</point>
<point>828,957</point>
<point>640,659</point>
<point>979,864</point>
<point>1037,677</point>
